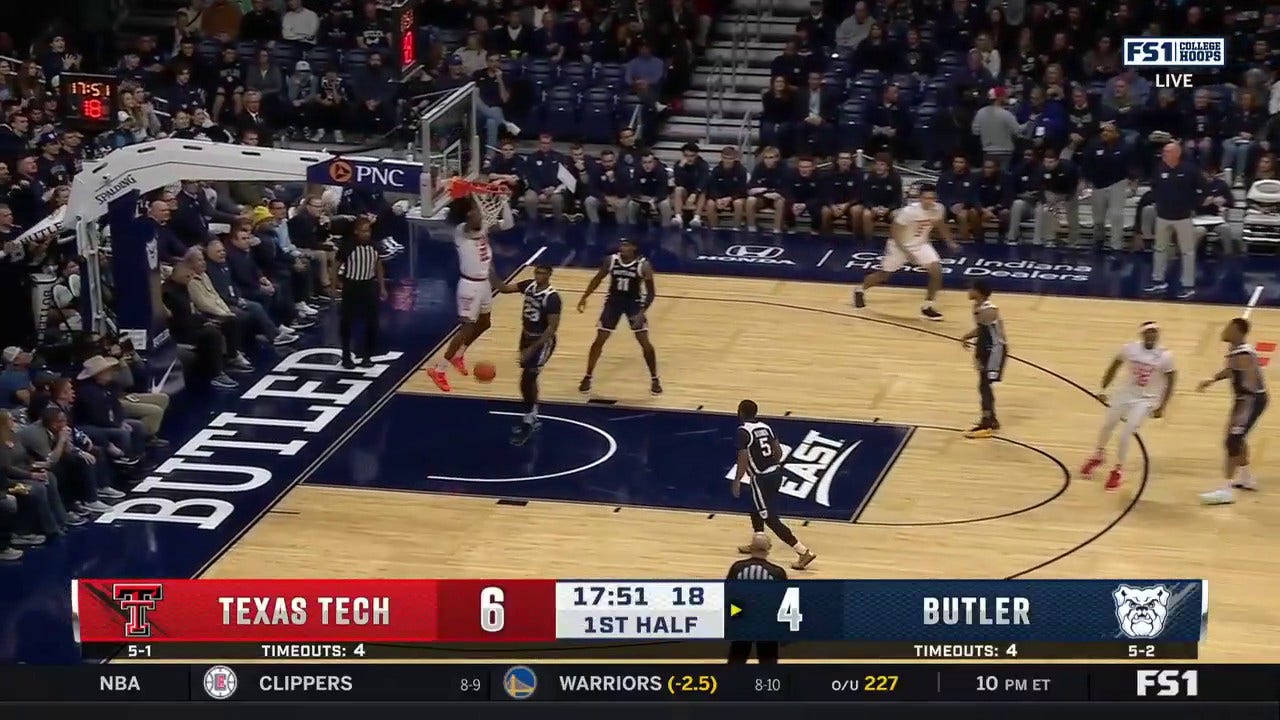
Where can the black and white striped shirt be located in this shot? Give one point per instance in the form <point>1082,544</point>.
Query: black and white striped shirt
<point>754,568</point>
<point>358,262</point>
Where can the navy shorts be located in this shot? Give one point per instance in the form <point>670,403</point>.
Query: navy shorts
<point>614,311</point>
<point>1245,413</point>
<point>539,358</point>
<point>991,365</point>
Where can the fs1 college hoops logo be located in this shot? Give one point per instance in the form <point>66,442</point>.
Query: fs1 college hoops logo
<point>1141,611</point>
<point>136,600</point>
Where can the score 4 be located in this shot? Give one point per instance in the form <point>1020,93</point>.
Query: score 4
<point>770,610</point>
<point>497,611</point>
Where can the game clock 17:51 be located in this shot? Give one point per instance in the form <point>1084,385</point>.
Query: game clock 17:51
<point>90,99</point>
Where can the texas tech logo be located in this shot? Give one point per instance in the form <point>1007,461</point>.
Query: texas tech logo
<point>1141,611</point>
<point>136,600</point>
<point>809,468</point>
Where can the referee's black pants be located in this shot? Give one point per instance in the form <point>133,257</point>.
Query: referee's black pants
<point>359,304</point>
<point>766,651</point>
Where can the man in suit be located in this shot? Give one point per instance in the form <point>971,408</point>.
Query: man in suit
<point>815,117</point>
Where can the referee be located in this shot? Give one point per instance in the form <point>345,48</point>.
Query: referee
<point>363,285</point>
<point>756,567</point>
<point>1176,186</point>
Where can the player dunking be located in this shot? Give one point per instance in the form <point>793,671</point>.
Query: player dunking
<point>540,319</point>
<point>1249,393</point>
<point>990,351</point>
<point>760,456</point>
<point>631,292</point>
<point>1145,393</point>
<point>475,284</point>
<point>909,242</point>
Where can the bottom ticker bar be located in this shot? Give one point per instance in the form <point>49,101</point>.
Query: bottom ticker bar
<point>645,683</point>
<point>264,682</point>
<point>705,650</point>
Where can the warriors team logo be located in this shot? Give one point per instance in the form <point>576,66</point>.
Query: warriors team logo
<point>1141,611</point>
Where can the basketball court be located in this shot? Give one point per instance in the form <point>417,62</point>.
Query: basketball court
<point>881,484</point>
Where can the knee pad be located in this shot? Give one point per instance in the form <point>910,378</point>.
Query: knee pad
<point>1235,444</point>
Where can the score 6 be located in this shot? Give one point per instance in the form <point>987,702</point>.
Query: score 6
<point>493,616</point>
<point>789,609</point>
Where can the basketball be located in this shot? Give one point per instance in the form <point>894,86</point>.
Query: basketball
<point>485,372</point>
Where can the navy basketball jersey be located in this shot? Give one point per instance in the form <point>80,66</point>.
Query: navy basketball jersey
<point>539,304</point>
<point>625,279</point>
<point>1248,380</point>
<point>758,440</point>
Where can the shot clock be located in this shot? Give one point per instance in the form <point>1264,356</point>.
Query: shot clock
<point>90,100</point>
<point>404,40</point>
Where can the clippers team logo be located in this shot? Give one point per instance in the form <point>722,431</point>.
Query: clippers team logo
<point>136,600</point>
<point>1141,611</point>
<point>751,254</point>
<point>220,682</point>
<point>809,469</point>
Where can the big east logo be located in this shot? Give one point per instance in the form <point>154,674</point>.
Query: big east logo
<point>809,468</point>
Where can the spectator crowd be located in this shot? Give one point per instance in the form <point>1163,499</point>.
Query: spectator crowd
<point>1025,109</point>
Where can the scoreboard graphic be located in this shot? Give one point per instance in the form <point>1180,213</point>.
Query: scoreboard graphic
<point>377,619</point>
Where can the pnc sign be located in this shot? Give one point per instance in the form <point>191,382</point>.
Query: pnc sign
<point>385,175</point>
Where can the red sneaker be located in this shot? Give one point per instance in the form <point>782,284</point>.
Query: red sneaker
<point>1090,465</point>
<point>460,363</point>
<point>1114,479</point>
<point>439,378</point>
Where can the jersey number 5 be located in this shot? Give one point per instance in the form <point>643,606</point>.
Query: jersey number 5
<point>766,447</point>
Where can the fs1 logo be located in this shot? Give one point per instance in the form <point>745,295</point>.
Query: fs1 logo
<point>136,600</point>
<point>1156,52</point>
<point>810,468</point>
<point>1168,683</point>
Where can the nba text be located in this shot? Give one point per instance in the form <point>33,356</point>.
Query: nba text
<point>977,611</point>
<point>296,611</point>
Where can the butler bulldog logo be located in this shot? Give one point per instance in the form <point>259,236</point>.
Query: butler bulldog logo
<point>1141,611</point>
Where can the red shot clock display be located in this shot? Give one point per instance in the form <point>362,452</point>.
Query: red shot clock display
<point>90,100</point>
<point>405,45</point>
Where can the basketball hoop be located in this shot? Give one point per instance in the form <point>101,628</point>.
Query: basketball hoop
<point>489,197</point>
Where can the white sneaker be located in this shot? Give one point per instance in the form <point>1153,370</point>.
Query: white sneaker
<point>97,506</point>
<point>677,221</point>
<point>1249,484</point>
<point>660,107</point>
<point>1222,496</point>
<point>110,493</point>
<point>512,128</point>
<point>304,309</point>
<point>284,337</point>
<point>695,221</point>
<point>338,137</point>
<point>317,136</point>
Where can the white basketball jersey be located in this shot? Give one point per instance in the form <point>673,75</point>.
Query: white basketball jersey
<point>919,222</point>
<point>1145,370</point>
<point>475,257</point>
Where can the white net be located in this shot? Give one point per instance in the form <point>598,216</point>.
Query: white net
<point>491,202</point>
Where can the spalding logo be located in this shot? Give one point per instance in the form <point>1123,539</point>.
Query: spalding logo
<point>1141,611</point>
<point>112,189</point>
